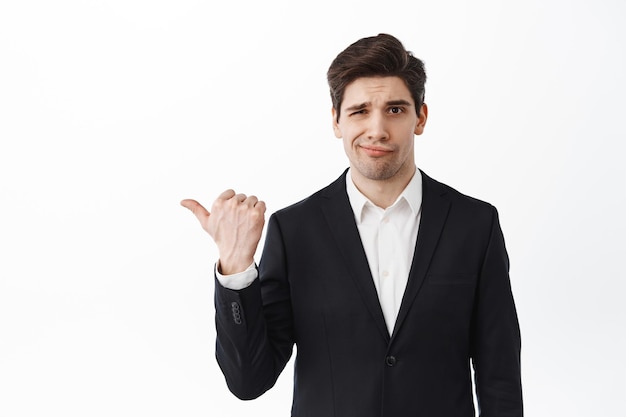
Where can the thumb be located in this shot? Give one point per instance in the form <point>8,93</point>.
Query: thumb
<point>197,209</point>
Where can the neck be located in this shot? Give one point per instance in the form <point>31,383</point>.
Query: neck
<point>382,193</point>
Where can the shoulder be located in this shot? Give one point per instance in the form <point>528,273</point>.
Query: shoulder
<point>432,190</point>
<point>460,204</point>
<point>312,203</point>
<point>438,188</point>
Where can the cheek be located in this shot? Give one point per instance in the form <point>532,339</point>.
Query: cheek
<point>350,132</point>
<point>347,145</point>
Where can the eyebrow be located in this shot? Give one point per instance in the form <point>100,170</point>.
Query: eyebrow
<point>399,103</point>
<point>362,106</point>
<point>358,106</point>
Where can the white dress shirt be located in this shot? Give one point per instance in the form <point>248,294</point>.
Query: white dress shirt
<point>388,237</point>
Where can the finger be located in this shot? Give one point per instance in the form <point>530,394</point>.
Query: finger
<point>240,198</point>
<point>226,195</point>
<point>260,205</point>
<point>251,201</point>
<point>197,209</point>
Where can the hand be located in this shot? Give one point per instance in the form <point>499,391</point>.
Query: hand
<point>235,224</point>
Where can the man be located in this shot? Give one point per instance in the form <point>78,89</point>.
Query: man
<point>388,281</point>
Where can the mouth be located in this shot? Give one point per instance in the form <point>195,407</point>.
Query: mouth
<point>375,151</point>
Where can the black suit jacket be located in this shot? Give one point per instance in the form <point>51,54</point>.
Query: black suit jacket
<point>315,289</point>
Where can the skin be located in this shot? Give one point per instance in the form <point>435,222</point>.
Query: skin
<point>377,125</point>
<point>235,223</point>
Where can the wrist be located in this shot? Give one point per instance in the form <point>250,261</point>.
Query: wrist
<point>227,266</point>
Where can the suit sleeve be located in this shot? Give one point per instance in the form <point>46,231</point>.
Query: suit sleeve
<point>255,325</point>
<point>496,339</point>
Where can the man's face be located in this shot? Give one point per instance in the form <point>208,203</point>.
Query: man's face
<point>377,124</point>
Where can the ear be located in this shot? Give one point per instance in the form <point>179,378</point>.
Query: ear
<point>336,128</point>
<point>421,120</point>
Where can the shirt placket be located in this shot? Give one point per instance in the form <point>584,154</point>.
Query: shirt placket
<point>387,270</point>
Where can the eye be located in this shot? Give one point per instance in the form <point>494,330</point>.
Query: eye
<point>357,112</point>
<point>396,110</point>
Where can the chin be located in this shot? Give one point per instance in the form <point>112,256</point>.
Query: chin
<point>378,173</point>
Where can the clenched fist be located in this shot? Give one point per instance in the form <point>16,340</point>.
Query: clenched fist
<point>235,223</point>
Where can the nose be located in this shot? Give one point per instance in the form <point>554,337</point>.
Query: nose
<point>377,127</point>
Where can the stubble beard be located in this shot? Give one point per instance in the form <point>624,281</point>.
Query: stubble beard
<point>377,170</point>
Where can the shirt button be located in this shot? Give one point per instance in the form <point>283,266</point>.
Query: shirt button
<point>385,273</point>
<point>390,360</point>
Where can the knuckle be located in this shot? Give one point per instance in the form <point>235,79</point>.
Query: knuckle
<point>217,204</point>
<point>257,215</point>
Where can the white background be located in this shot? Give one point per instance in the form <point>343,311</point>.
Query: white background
<point>111,112</point>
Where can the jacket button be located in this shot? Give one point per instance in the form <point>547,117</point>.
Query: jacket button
<point>390,360</point>
<point>236,312</point>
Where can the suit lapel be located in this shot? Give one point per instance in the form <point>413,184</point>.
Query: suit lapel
<point>434,213</point>
<point>340,218</point>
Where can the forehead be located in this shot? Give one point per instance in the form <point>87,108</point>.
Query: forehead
<point>376,89</point>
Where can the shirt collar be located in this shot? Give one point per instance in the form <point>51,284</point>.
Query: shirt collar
<point>412,194</point>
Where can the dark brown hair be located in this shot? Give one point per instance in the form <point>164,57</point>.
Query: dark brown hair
<point>376,56</point>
